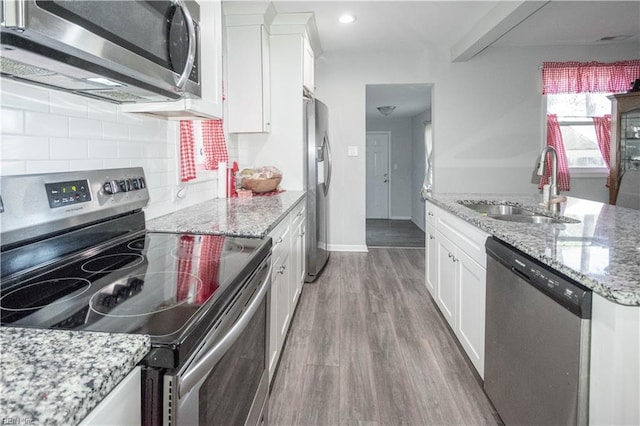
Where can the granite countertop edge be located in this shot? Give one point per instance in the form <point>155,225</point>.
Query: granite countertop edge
<point>253,217</point>
<point>56,377</point>
<point>449,202</point>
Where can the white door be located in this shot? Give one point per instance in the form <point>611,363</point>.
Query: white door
<point>377,175</point>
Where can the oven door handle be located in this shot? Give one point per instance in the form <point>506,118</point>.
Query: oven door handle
<point>207,362</point>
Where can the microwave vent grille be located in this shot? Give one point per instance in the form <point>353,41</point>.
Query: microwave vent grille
<point>20,69</point>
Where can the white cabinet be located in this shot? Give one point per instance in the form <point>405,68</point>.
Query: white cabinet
<point>279,300</point>
<point>248,82</point>
<point>287,277</point>
<point>210,104</point>
<point>456,278</point>
<point>308,67</point>
<point>299,226</point>
<point>431,259</point>
<point>122,406</point>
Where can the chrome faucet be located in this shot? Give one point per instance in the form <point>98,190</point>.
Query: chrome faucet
<point>551,197</point>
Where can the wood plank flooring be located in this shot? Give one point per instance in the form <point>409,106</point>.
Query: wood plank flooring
<point>393,233</point>
<point>368,347</point>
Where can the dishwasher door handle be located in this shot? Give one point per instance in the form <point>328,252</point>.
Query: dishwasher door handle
<point>520,274</point>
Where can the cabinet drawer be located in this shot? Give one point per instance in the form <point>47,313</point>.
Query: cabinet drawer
<point>466,236</point>
<point>280,236</point>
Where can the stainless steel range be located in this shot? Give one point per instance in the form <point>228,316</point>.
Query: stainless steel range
<point>76,256</point>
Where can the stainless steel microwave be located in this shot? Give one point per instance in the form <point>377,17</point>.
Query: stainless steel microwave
<point>119,51</point>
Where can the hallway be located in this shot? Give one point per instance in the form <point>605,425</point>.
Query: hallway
<point>367,345</point>
<point>394,233</point>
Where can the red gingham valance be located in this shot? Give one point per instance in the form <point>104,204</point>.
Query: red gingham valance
<point>590,77</point>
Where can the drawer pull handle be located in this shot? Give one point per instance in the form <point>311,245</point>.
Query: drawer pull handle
<point>279,240</point>
<point>429,214</point>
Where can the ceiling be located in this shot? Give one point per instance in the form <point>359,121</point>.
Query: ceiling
<point>464,27</point>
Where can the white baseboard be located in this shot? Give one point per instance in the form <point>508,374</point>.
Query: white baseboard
<point>400,218</point>
<point>348,247</point>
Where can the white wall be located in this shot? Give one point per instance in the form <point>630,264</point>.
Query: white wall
<point>418,169</point>
<point>51,131</point>
<point>400,163</point>
<point>487,118</point>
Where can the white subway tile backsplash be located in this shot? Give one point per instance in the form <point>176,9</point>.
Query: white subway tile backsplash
<point>16,147</point>
<point>45,131</point>
<point>141,133</point>
<point>24,96</point>
<point>85,164</point>
<point>115,130</point>
<point>116,163</point>
<point>104,111</point>
<point>99,149</point>
<point>62,103</point>
<point>12,168</point>
<point>129,149</point>
<point>47,166</point>
<point>70,149</point>
<point>12,121</point>
<point>84,128</point>
<point>41,124</point>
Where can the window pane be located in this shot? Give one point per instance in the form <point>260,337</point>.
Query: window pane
<point>581,145</point>
<point>575,112</point>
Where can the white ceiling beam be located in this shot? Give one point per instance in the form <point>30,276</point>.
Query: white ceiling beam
<point>505,16</point>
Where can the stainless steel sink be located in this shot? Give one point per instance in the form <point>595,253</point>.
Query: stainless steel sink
<point>527,218</point>
<point>498,209</point>
<point>511,213</point>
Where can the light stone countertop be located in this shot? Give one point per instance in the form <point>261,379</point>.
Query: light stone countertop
<point>601,251</point>
<point>252,217</point>
<point>56,377</point>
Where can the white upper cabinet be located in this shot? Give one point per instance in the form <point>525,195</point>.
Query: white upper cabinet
<point>248,87</point>
<point>248,78</point>
<point>210,104</point>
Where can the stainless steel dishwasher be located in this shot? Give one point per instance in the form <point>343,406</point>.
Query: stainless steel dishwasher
<point>536,341</point>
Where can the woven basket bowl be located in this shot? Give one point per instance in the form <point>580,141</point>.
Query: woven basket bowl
<point>261,185</point>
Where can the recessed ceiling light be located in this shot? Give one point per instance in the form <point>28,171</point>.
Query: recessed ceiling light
<point>346,19</point>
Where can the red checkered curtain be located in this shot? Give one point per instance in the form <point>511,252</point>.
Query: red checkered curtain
<point>554,139</point>
<point>187,151</point>
<point>603,133</point>
<point>589,77</point>
<point>215,145</point>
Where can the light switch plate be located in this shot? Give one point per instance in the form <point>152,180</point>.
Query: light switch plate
<point>352,151</point>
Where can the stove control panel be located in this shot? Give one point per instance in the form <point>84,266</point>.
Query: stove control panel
<point>70,192</point>
<point>124,185</point>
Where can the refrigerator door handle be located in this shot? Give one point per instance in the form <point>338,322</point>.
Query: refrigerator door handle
<point>328,180</point>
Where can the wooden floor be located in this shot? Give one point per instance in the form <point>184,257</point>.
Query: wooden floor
<point>393,233</point>
<point>367,346</point>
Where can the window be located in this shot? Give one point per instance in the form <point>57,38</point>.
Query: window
<point>575,112</point>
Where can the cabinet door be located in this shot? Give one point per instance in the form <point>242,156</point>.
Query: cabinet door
<point>248,88</point>
<point>471,309</point>
<point>447,279</point>
<point>298,257</point>
<point>431,260</point>
<point>121,406</point>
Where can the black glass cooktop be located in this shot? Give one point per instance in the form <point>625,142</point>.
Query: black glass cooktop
<point>151,283</point>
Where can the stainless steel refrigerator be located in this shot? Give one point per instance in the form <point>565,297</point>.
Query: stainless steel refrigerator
<point>317,182</point>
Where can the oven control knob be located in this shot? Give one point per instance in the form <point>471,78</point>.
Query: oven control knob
<point>143,184</point>
<point>111,187</point>
<point>125,185</point>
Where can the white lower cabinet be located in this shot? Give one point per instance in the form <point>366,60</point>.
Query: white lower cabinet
<point>456,278</point>
<point>287,277</point>
<point>122,406</point>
